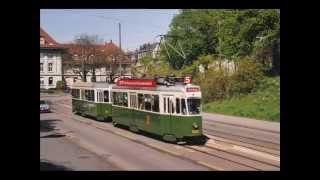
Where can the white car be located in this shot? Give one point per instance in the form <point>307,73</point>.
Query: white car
<point>44,106</point>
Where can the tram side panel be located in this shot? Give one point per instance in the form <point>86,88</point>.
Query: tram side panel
<point>182,126</point>
<point>121,115</point>
<point>104,111</point>
<point>148,122</point>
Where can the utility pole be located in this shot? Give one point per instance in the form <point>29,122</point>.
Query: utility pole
<point>120,48</point>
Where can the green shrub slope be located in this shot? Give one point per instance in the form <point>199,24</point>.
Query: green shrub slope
<point>263,103</point>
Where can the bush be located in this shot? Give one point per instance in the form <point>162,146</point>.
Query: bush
<point>61,85</point>
<point>215,84</point>
<point>246,77</point>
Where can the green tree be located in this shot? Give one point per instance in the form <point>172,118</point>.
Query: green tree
<point>232,34</point>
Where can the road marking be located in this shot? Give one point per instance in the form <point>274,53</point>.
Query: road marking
<point>213,167</point>
<point>250,151</point>
<point>242,149</point>
<point>213,144</point>
<point>162,149</point>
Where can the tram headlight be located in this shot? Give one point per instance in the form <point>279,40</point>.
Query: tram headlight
<point>195,126</point>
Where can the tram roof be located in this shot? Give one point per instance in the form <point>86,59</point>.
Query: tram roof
<point>163,88</point>
<point>91,84</point>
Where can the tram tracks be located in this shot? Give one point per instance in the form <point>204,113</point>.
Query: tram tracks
<point>258,143</point>
<point>215,147</point>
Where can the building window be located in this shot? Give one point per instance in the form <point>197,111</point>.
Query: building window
<point>42,40</point>
<point>50,80</point>
<point>41,81</point>
<point>41,67</point>
<point>50,67</point>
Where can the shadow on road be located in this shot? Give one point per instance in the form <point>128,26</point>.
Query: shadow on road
<point>48,125</point>
<point>49,166</point>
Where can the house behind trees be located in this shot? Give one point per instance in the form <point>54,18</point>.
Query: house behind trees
<point>53,67</point>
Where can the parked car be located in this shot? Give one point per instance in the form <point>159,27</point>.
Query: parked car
<point>44,106</point>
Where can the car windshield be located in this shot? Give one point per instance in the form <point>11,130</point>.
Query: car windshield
<point>42,102</point>
<point>194,105</point>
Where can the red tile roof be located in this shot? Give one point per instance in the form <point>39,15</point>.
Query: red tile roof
<point>108,48</point>
<point>49,42</point>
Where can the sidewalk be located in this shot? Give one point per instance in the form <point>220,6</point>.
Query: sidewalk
<point>244,122</point>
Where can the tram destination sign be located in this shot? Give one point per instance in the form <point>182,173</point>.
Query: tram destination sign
<point>136,82</point>
<point>193,89</point>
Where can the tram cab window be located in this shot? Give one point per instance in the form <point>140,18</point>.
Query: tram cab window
<point>141,101</point>
<point>194,105</point>
<point>183,107</point>
<point>155,103</point>
<point>178,106</point>
<point>106,96</point>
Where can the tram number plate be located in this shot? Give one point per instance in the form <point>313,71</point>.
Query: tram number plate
<point>195,131</point>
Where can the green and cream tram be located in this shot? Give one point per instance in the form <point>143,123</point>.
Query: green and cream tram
<point>172,112</point>
<point>92,99</point>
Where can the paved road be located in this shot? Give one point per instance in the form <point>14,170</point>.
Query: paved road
<point>57,152</point>
<point>114,151</point>
<point>122,153</point>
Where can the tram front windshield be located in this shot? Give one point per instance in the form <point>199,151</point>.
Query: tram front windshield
<point>194,105</point>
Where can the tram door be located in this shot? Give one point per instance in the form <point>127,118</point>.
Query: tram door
<point>168,103</point>
<point>133,105</point>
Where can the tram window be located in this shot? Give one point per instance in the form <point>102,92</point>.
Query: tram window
<point>125,99</point>
<point>89,95</point>
<point>106,96</point>
<point>78,93</point>
<point>164,105</point>
<point>82,94</point>
<point>168,106</point>
<point>120,98</point>
<point>183,106</point>
<point>155,103</point>
<point>133,100</point>
<point>75,93</point>
<point>100,96</point>
<point>141,101</point>
<point>172,106</point>
<point>194,105</point>
<point>147,102</point>
<point>178,105</point>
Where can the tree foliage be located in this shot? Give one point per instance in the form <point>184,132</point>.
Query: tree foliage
<point>84,55</point>
<point>232,34</point>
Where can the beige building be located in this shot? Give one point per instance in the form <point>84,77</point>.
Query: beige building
<point>52,68</point>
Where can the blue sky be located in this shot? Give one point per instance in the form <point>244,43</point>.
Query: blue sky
<point>138,26</point>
